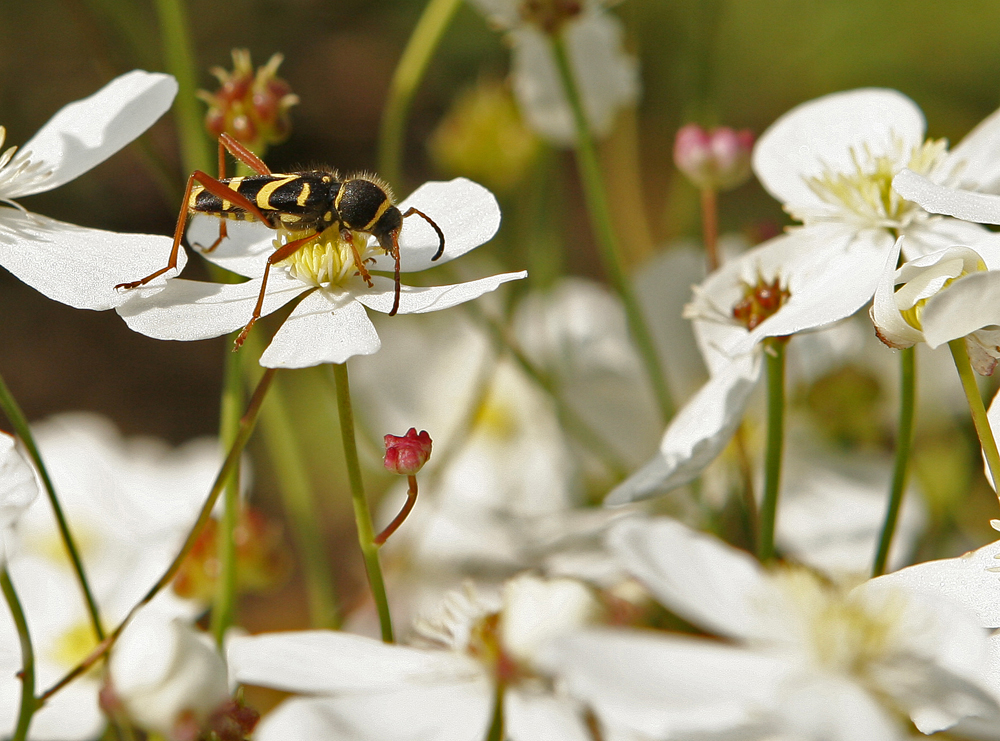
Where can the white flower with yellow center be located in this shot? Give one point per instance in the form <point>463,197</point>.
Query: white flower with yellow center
<point>800,659</point>
<point>129,504</point>
<point>329,324</point>
<point>357,688</point>
<point>68,263</point>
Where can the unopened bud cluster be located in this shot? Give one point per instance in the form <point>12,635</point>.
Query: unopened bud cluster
<point>718,159</point>
<point>407,454</point>
<point>251,107</point>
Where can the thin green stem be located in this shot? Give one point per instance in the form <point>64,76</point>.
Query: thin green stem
<point>285,452</point>
<point>27,674</point>
<point>979,418</point>
<point>904,443</point>
<point>178,55</point>
<point>19,421</point>
<point>604,231</point>
<point>228,466</point>
<point>362,515</point>
<point>496,729</point>
<point>774,354</point>
<point>231,405</point>
<point>406,79</point>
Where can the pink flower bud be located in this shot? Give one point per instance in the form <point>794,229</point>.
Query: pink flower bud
<point>718,159</point>
<point>407,454</point>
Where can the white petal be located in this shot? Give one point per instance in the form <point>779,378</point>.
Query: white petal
<point>968,304</point>
<point>530,717</point>
<point>18,487</point>
<point>420,300</point>
<point>321,661</point>
<point>193,310</point>
<point>325,327</point>
<point>87,132</point>
<point>76,265</point>
<point>466,212</point>
<point>938,199</point>
<point>697,434</point>
<point>832,708</point>
<point>705,581</point>
<point>243,252</point>
<point>940,232</point>
<point>976,158</point>
<point>665,686</point>
<point>889,323</point>
<point>829,271</point>
<point>445,712</point>
<point>972,580</point>
<point>818,136</point>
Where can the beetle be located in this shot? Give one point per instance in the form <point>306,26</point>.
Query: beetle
<point>304,202</point>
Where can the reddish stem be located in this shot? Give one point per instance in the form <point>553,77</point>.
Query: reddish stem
<point>411,499</point>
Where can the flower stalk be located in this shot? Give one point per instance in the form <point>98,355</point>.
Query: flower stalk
<point>976,407</point>
<point>604,231</point>
<point>904,443</point>
<point>246,427</point>
<point>406,79</point>
<point>774,353</point>
<point>13,411</point>
<point>362,514</point>
<point>27,674</point>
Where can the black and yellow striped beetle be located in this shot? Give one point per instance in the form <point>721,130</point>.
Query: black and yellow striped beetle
<point>306,202</point>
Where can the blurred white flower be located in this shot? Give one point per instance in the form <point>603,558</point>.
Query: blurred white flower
<point>800,658</point>
<point>358,688</point>
<point>168,677</point>
<point>130,504</point>
<point>68,263</point>
<point>18,489</point>
<point>330,324</point>
<point>606,76</point>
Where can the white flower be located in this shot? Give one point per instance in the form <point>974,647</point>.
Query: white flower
<point>802,659</point>
<point>73,264</point>
<point>358,688</point>
<point>830,162</point>
<point>607,77</point>
<point>18,489</point>
<point>167,676</point>
<point>129,503</point>
<point>940,297</point>
<point>329,325</point>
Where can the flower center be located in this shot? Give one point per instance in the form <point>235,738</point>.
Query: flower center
<point>760,301</point>
<point>866,193</point>
<point>326,259</point>
<point>74,645</point>
<point>843,631</point>
<point>912,296</point>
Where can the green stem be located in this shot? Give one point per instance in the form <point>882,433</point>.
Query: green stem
<point>710,227</point>
<point>362,515</point>
<point>405,80</point>
<point>604,231</point>
<point>19,421</point>
<point>904,443</point>
<point>228,466</point>
<point>299,503</point>
<point>223,607</point>
<point>496,729</point>
<point>27,674</point>
<point>774,354</point>
<point>179,60</point>
<point>979,419</point>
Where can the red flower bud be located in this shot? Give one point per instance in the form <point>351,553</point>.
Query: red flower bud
<point>407,454</point>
